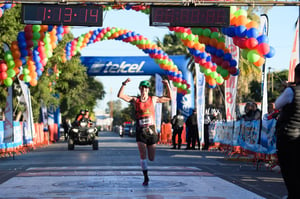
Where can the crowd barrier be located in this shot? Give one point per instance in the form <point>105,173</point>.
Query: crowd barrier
<point>244,140</point>
<point>25,140</point>
<point>166,134</point>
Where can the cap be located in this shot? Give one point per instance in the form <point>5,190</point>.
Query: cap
<point>145,83</point>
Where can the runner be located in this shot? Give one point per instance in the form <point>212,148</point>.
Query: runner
<point>146,135</point>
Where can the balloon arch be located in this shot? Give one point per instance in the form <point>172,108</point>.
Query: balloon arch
<point>35,45</point>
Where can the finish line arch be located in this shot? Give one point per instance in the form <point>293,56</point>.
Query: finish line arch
<point>156,53</point>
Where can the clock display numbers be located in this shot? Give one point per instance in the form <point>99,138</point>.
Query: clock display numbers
<point>70,15</point>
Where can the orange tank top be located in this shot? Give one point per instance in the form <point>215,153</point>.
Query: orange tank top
<point>145,112</point>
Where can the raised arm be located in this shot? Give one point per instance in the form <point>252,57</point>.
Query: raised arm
<point>167,98</point>
<point>121,94</point>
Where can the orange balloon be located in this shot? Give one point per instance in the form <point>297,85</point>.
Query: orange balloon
<point>18,63</point>
<point>17,70</point>
<point>16,54</point>
<point>44,28</point>
<point>221,45</point>
<point>252,24</point>
<point>14,46</point>
<point>233,21</point>
<point>213,42</point>
<point>33,75</point>
<point>33,82</point>
<point>241,20</point>
<point>31,67</point>
<point>260,62</point>
<point>197,46</point>
<point>190,44</point>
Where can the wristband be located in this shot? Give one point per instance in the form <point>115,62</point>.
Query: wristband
<point>124,84</point>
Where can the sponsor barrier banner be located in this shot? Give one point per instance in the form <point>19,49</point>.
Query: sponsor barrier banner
<point>245,134</point>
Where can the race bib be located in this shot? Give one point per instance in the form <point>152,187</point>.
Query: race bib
<point>146,121</point>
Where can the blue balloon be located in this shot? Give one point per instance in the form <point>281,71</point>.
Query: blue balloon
<point>224,30</point>
<point>220,53</point>
<point>7,6</point>
<point>232,63</point>
<point>203,55</point>
<point>24,60</point>
<point>50,28</point>
<point>240,31</point>
<point>24,52</point>
<point>271,52</point>
<point>59,30</point>
<point>227,57</point>
<point>231,31</point>
<point>208,58</point>
<point>263,39</point>
<point>252,33</point>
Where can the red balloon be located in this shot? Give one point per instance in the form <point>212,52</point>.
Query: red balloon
<point>232,70</point>
<point>3,75</point>
<point>225,65</point>
<point>3,67</point>
<point>251,43</point>
<point>263,48</point>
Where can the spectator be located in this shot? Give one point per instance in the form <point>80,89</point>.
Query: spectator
<point>177,126</point>
<point>288,135</point>
<point>193,134</point>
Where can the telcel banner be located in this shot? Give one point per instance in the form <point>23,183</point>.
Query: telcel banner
<point>127,66</point>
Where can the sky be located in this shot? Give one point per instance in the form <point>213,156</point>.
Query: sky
<point>281,35</point>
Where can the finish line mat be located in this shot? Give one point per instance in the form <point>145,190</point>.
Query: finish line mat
<point>120,183</point>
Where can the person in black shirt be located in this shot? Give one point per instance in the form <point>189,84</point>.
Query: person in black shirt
<point>177,126</point>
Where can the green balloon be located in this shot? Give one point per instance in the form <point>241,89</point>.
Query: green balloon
<point>25,71</point>
<point>253,56</point>
<point>11,73</point>
<point>214,74</point>
<point>184,35</point>
<point>10,63</point>
<point>36,35</point>
<point>207,72</point>
<point>36,28</point>
<point>8,56</point>
<point>26,78</point>
<point>206,32</point>
<point>219,79</point>
<point>35,43</point>
<point>190,37</point>
<point>224,73</point>
<point>8,81</point>
<point>215,35</point>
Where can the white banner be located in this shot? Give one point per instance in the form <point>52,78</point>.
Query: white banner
<point>264,30</point>
<point>174,99</point>
<point>158,107</point>
<point>231,83</point>
<point>29,131</point>
<point>295,55</point>
<point>200,102</point>
<point>8,124</point>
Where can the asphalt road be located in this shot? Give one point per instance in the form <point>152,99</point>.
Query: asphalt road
<point>117,161</point>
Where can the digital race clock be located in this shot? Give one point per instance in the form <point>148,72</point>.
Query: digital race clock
<point>189,16</point>
<point>56,14</point>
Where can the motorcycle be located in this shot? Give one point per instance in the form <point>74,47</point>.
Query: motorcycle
<point>82,134</point>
